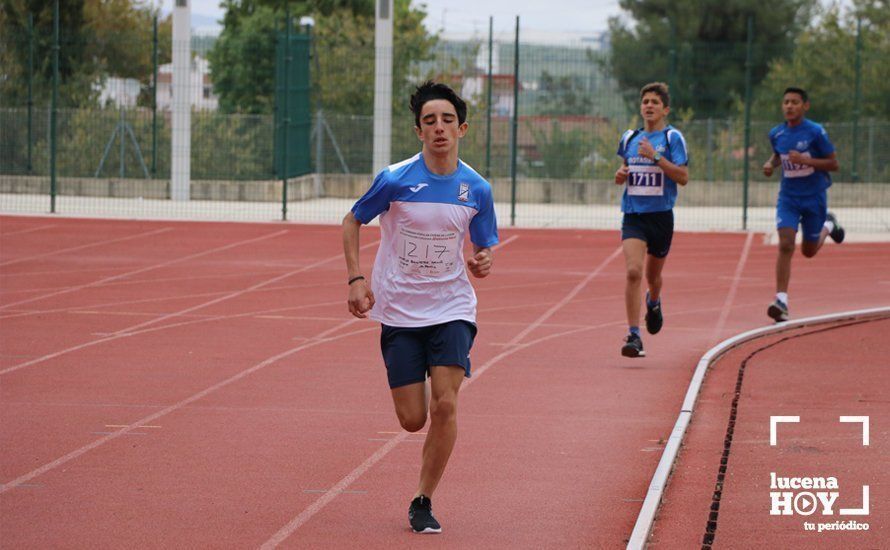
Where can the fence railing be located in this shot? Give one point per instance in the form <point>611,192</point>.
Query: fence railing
<point>109,145</point>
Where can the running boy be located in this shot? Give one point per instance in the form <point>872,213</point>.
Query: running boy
<point>654,163</point>
<point>420,292</point>
<point>807,156</point>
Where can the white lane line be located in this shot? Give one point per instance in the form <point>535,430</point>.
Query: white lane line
<point>733,287</point>
<point>85,246</point>
<point>189,278</point>
<point>106,336</point>
<point>646,518</point>
<point>152,267</point>
<point>322,337</point>
<point>237,293</point>
<point>505,243</point>
<point>559,305</point>
<point>29,230</point>
<point>28,312</point>
<point>136,329</point>
<point>287,530</point>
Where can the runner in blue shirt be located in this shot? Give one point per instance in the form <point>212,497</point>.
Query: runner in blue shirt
<point>807,156</point>
<point>420,292</point>
<point>654,163</point>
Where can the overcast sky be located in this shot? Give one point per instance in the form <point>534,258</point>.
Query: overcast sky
<point>472,15</point>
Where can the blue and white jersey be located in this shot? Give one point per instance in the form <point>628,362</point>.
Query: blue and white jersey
<point>419,276</point>
<point>812,141</point>
<point>648,189</point>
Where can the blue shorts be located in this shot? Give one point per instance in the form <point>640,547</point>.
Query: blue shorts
<point>808,212</point>
<point>409,352</point>
<point>655,228</point>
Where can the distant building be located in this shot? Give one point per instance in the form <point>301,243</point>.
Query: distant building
<point>201,95</point>
<point>475,88</point>
<point>118,92</point>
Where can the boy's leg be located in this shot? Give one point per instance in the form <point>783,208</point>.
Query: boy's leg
<point>411,405</point>
<point>811,248</point>
<point>654,266</point>
<point>404,355</point>
<point>788,214</point>
<point>778,309</point>
<point>783,259</point>
<point>445,384</point>
<point>812,222</point>
<point>634,254</point>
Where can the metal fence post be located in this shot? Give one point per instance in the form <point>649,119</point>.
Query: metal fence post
<point>30,93</point>
<point>672,59</point>
<point>857,101</point>
<point>871,149</point>
<point>488,101</point>
<point>319,153</point>
<point>710,148</point>
<point>53,114</point>
<point>154,100</point>
<point>122,124</point>
<point>515,144</point>
<point>284,118</point>
<point>747,144</point>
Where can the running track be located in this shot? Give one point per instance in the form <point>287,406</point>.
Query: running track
<point>194,385</point>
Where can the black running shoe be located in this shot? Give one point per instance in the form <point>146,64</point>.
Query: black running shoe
<point>778,311</point>
<point>633,346</point>
<point>654,318</point>
<point>837,234</point>
<point>420,516</point>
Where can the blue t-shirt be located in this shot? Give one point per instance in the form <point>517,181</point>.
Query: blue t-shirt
<point>648,189</point>
<point>811,140</point>
<point>419,276</point>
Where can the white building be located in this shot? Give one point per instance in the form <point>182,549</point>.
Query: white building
<point>201,96</point>
<point>120,92</point>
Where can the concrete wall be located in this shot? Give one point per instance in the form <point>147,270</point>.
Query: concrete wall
<point>351,186</point>
<point>222,190</point>
<point>696,193</point>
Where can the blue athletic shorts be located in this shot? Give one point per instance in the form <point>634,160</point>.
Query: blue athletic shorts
<point>656,228</point>
<point>409,352</point>
<point>808,212</point>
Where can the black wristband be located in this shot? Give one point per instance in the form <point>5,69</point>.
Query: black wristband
<point>354,279</point>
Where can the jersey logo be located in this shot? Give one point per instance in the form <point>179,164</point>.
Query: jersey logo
<point>802,145</point>
<point>418,187</point>
<point>464,193</point>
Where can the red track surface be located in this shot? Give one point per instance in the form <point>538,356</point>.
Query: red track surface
<point>196,385</point>
<point>819,374</point>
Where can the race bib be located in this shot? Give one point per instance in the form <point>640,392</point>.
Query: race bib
<point>645,180</point>
<point>422,253</point>
<point>792,170</point>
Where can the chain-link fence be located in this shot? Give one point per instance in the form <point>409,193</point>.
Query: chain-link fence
<point>544,127</point>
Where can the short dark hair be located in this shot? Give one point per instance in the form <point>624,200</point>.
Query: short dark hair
<point>799,91</point>
<point>429,91</point>
<point>659,88</point>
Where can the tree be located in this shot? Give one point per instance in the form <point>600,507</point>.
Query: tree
<point>698,46</point>
<point>563,95</point>
<point>823,63</point>
<point>560,152</point>
<point>242,60</point>
<point>98,38</point>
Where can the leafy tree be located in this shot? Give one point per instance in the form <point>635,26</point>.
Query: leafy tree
<point>563,95</point>
<point>242,63</point>
<point>560,152</point>
<point>242,60</point>
<point>823,63</point>
<point>98,38</point>
<point>699,46</point>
